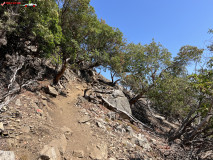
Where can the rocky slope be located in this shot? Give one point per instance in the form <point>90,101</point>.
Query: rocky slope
<point>80,120</point>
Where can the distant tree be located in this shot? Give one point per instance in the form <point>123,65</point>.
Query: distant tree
<point>144,66</point>
<point>201,113</point>
<point>186,55</point>
<point>173,95</point>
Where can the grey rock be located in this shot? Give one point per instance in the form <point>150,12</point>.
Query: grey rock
<point>178,141</point>
<point>120,129</point>
<point>100,125</point>
<point>18,102</point>
<point>7,155</point>
<point>119,101</point>
<point>63,93</point>
<point>111,115</point>
<point>142,142</point>
<point>91,96</point>
<point>33,48</point>
<point>3,109</point>
<point>129,144</point>
<point>118,93</point>
<point>43,97</point>
<point>1,127</point>
<point>50,153</point>
<point>130,130</point>
<point>3,41</point>
<point>52,90</point>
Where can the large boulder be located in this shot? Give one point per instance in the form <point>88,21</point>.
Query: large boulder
<point>119,101</point>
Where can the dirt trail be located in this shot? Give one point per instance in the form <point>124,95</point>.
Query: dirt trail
<point>67,114</point>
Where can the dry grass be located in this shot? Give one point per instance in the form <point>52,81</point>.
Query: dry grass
<point>107,120</point>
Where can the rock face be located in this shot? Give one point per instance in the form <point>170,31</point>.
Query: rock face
<point>118,100</point>
<point>7,155</point>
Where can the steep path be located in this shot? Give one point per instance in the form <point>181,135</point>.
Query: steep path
<point>68,115</point>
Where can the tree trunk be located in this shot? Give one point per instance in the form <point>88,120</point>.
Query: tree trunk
<point>60,74</point>
<point>200,126</point>
<point>182,129</point>
<point>114,83</point>
<point>185,123</point>
<point>109,83</point>
<point>112,77</point>
<point>140,95</point>
<point>135,99</point>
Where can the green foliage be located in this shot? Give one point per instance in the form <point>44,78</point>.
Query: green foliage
<point>186,55</point>
<point>172,96</point>
<point>77,17</point>
<point>7,23</point>
<point>145,64</point>
<point>105,46</point>
<point>56,59</point>
<point>46,26</point>
<point>203,86</point>
<point>88,38</point>
<point>37,25</point>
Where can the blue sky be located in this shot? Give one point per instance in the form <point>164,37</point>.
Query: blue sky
<point>173,23</point>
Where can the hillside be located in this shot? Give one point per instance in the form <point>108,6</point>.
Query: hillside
<point>55,106</point>
<point>64,122</point>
